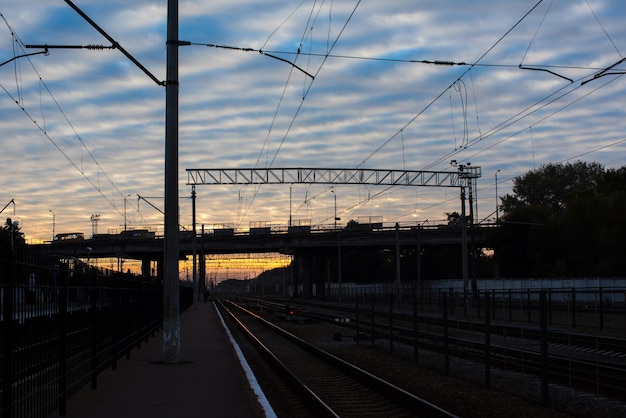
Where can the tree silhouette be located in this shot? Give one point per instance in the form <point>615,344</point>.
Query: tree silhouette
<point>563,220</point>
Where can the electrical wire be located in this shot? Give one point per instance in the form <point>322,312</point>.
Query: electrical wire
<point>401,131</point>
<point>431,103</point>
<point>58,147</point>
<point>299,108</point>
<point>603,29</point>
<point>19,102</point>
<point>509,122</point>
<point>437,63</point>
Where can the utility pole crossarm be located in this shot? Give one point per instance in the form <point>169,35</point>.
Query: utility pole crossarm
<point>7,205</point>
<point>114,43</point>
<point>332,176</point>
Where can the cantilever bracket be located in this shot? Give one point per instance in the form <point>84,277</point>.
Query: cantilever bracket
<point>523,67</point>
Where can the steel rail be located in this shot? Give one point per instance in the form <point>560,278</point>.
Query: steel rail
<point>411,401</point>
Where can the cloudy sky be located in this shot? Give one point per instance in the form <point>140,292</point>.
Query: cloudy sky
<point>81,130</point>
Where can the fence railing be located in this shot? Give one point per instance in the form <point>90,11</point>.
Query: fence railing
<point>595,308</point>
<point>583,305</point>
<point>553,355</point>
<point>62,324</point>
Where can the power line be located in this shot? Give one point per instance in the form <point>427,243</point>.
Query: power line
<point>524,114</point>
<point>17,101</point>
<point>476,64</point>
<point>439,63</point>
<point>603,29</point>
<point>307,90</point>
<point>447,88</point>
<point>67,157</point>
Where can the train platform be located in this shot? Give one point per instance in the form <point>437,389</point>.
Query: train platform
<point>211,380</point>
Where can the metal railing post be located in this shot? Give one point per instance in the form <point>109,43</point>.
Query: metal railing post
<point>545,374</point>
<point>8,349</point>
<point>487,341</point>
<point>94,331</point>
<point>62,348</point>
<point>446,355</point>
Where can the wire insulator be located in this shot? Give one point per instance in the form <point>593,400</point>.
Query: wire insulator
<point>443,63</point>
<point>97,47</point>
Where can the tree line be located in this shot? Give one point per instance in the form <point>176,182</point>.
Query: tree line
<point>563,220</point>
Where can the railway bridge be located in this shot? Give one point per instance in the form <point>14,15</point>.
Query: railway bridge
<point>311,248</point>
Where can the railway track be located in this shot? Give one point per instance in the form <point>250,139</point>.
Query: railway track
<point>315,383</point>
<point>596,365</point>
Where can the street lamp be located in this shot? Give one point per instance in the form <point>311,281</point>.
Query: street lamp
<point>338,245</point>
<point>336,218</point>
<point>496,175</point>
<point>94,224</point>
<point>125,211</point>
<point>53,221</point>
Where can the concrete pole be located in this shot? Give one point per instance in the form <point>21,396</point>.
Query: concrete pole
<point>496,183</point>
<point>464,242</point>
<point>398,259</point>
<point>196,292</point>
<point>171,291</point>
<point>472,240</point>
<point>202,264</point>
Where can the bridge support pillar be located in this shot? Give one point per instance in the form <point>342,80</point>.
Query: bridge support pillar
<point>319,278</point>
<point>202,273</point>
<point>159,268</point>
<point>310,276</point>
<point>299,273</point>
<point>145,267</point>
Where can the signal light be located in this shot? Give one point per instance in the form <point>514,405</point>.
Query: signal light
<point>288,311</point>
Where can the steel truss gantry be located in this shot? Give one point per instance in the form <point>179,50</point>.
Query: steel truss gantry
<point>459,178</point>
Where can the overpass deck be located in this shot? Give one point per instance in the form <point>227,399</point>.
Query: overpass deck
<point>265,241</point>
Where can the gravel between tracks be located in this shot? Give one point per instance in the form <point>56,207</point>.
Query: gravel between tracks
<point>462,392</point>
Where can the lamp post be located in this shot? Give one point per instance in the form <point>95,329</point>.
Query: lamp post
<point>125,211</point>
<point>338,245</point>
<point>289,226</point>
<point>94,224</point>
<point>335,196</point>
<point>53,222</point>
<point>463,175</point>
<point>496,181</point>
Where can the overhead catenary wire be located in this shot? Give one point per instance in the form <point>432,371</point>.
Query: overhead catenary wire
<point>439,63</point>
<point>481,135</point>
<point>234,48</point>
<point>436,63</point>
<point>305,78</point>
<point>401,130</point>
<point>67,157</point>
<point>462,63</point>
<point>522,114</point>
<point>531,110</point>
<point>305,94</point>
<point>603,29</point>
<point>432,102</point>
<point>42,128</point>
<point>240,206</point>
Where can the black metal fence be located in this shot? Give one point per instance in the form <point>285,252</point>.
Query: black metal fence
<point>590,362</point>
<point>62,323</point>
<point>599,309</point>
